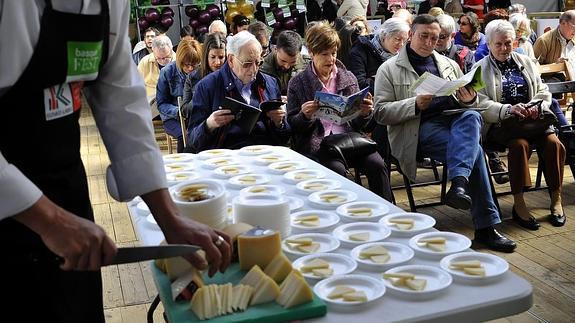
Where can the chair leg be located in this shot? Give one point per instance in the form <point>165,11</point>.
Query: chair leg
<point>409,192</point>
<point>153,306</point>
<point>539,173</point>
<point>492,186</point>
<point>434,168</point>
<point>170,144</point>
<point>443,183</point>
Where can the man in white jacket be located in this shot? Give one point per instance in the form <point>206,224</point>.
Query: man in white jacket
<point>352,8</point>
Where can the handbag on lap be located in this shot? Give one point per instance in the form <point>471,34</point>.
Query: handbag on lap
<point>348,146</point>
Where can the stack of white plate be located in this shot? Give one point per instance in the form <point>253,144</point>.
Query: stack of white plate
<point>211,211</point>
<point>264,210</point>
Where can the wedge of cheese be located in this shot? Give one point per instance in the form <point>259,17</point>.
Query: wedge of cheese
<point>432,240</point>
<point>404,227</point>
<point>294,291</point>
<point>322,272</point>
<point>310,217</point>
<point>279,268</point>
<point>360,236</point>
<point>313,247</point>
<point>258,189</point>
<point>310,223</point>
<point>358,296</point>
<point>258,247</point>
<point>339,291</point>
<point>465,264</point>
<point>399,275</point>
<point>439,247</point>
<point>316,263</point>
<point>416,284</point>
<point>233,231</point>
<point>376,250</point>
<point>300,241</point>
<point>359,211</point>
<point>265,288</point>
<point>474,271</point>
<point>380,259</point>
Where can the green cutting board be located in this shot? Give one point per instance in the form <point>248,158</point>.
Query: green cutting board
<point>180,311</point>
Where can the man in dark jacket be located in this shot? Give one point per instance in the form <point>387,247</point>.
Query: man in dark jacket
<point>212,125</point>
<point>286,60</point>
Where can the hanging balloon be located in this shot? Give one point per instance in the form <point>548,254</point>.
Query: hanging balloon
<point>214,10</point>
<point>192,11</point>
<point>204,17</point>
<point>277,25</point>
<point>152,15</point>
<point>168,11</point>
<point>279,14</point>
<point>295,13</point>
<point>288,23</point>
<point>167,21</point>
<point>230,14</point>
<point>156,2</point>
<point>143,23</point>
<point>202,29</point>
<point>246,8</point>
<point>195,23</point>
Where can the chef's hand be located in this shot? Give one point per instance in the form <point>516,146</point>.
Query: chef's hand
<point>309,108</point>
<point>466,95</point>
<point>179,229</point>
<point>82,244</point>
<point>277,116</point>
<point>366,106</point>
<point>219,118</point>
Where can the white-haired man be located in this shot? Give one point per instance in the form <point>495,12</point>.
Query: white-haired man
<point>217,26</point>
<point>212,124</point>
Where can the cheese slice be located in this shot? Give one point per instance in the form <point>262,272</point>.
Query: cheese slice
<point>253,276</point>
<point>376,250</point>
<point>399,282</point>
<point>416,284</point>
<point>279,268</point>
<point>307,218</point>
<point>362,211</point>
<point>404,227</point>
<point>358,296</point>
<point>432,240</point>
<point>401,221</point>
<point>360,236</point>
<point>465,264</point>
<point>474,271</point>
<point>316,263</point>
<point>246,297</point>
<point>322,272</point>
<point>258,189</point>
<point>197,303</point>
<point>399,275</point>
<point>294,291</point>
<point>258,247</point>
<point>328,196</point>
<point>337,200</point>
<point>300,241</point>
<point>380,259</point>
<point>310,248</point>
<point>310,223</point>
<point>339,291</point>
<point>236,293</point>
<point>439,247</point>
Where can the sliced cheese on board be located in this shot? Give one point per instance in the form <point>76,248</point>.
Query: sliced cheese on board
<point>279,268</point>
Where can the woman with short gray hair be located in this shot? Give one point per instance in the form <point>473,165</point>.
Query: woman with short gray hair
<point>522,33</point>
<point>513,88</point>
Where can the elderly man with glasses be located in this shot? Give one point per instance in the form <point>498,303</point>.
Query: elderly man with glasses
<point>150,66</point>
<point>212,124</point>
<point>418,126</point>
<point>557,45</point>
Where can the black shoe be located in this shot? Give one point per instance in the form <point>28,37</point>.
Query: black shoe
<point>494,240</point>
<point>498,166</point>
<point>557,220</point>
<point>530,224</point>
<point>457,196</point>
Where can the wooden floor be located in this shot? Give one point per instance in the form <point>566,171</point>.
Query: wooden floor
<point>546,258</point>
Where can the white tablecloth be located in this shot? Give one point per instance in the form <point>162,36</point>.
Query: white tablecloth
<point>460,302</point>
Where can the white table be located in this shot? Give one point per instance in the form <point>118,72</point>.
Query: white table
<point>459,303</point>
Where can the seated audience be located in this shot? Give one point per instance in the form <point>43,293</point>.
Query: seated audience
<point>239,23</point>
<point>482,50</point>
<point>361,24</point>
<point>217,26</point>
<point>512,82</point>
<point>368,54</point>
<point>326,73</point>
<point>285,60</point>
<point>260,30</point>
<point>426,5</point>
<point>171,86</point>
<point>213,57</point>
<point>149,35</point>
<point>557,45</point>
<point>475,6</point>
<point>469,32</point>
<point>417,127</point>
<point>348,36</point>
<point>404,14</point>
<point>149,67</point>
<point>352,8</point>
<point>186,33</point>
<point>436,11</point>
<point>522,32</point>
<point>446,46</point>
<point>519,8</point>
<point>453,6</point>
<point>212,124</point>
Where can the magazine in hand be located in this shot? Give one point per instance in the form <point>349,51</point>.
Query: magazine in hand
<point>337,108</point>
<point>428,83</point>
<point>246,116</point>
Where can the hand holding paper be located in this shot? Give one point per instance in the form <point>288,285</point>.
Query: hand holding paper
<point>431,84</point>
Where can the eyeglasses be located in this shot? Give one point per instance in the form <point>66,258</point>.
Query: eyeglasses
<point>164,59</point>
<point>248,64</point>
<point>427,37</point>
<point>463,23</point>
<point>443,36</point>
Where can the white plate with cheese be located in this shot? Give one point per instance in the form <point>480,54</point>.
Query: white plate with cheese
<point>439,244</point>
<point>263,189</point>
<point>213,163</point>
<point>178,167</point>
<point>371,256</point>
<point>348,291</point>
<point>298,245</point>
<point>435,280</point>
<point>407,224</point>
<point>178,158</point>
<point>297,176</point>
<point>474,266</point>
<point>337,264</point>
<point>178,177</point>
<point>356,233</point>
<point>314,220</point>
<point>232,170</point>
<point>212,153</point>
<point>255,150</point>
<point>242,181</point>
<point>331,199</point>
<point>285,166</point>
<point>315,185</point>
<point>362,211</point>
<point>270,159</point>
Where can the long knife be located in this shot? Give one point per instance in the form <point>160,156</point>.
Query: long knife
<point>137,254</point>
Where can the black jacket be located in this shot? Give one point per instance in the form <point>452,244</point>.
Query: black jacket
<point>365,60</point>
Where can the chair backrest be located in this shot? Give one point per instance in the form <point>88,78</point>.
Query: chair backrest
<point>182,122</point>
<point>554,68</point>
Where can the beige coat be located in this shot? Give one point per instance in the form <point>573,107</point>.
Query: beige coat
<point>490,96</point>
<point>395,105</point>
<point>547,48</point>
<point>148,68</point>
<point>353,8</point>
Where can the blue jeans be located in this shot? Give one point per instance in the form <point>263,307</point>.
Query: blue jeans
<point>454,140</point>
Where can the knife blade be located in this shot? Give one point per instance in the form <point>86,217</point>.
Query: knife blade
<point>136,254</point>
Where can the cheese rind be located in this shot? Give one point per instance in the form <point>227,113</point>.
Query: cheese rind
<point>258,247</point>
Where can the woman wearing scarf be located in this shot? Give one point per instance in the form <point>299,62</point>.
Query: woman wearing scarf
<point>469,32</point>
